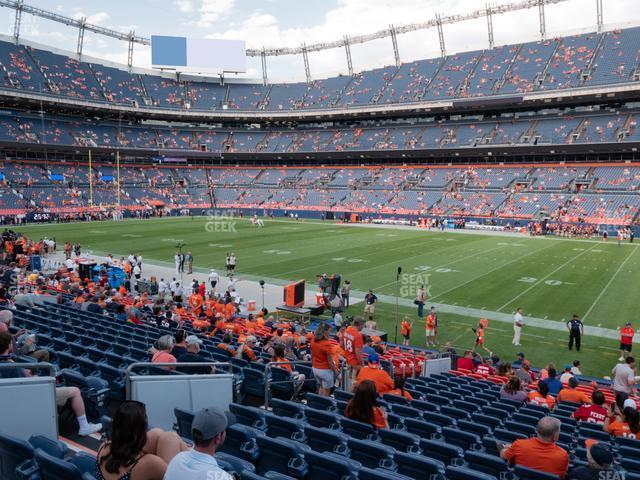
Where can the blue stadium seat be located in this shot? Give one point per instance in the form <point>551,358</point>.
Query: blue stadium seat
<point>13,452</point>
<point>422,428</point>
<point>55,448</point>
<point>418,467</point>
<point>357,429</point>
<point>372,454</point>
<point>507,435</point>
<point>52,468</point>
<point>518,427</point>
<point>267,476</point>
<point>396,422</point>
<point>280,456</point>
<point>233,465</point>
<point>524,473</point>
<point>284,408</point>
<point>496,413</point>
<point>406,411</point>
<point>425,406</point>
<point>467,406</point>
<point>401,441</point>
<point>455,413</point>
<point>241,442</point>
<point>380,474</point>
<point>523,418</point>
<point>472,426</point>
<point>395,399</point>
<point>285,427</point>
<point>184,419</point>
<point>282,384</point>
<point>342,395</point>
<point>464,440</point>
<point>326,440</point>
<point>438,419</point>
<point>632,453</point>
<point>442,451</point>
<point>489,464</point>
<point>537,411</point>
<point>630,464</point>
<point>629,442</point>
<point>323,466</point>
<point>253,383</point>
<point>320,402</point>
<point>321,419</point>
<point>460,473</point>
<point>250,416</point>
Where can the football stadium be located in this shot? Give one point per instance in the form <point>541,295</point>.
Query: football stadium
<point>267,242</point>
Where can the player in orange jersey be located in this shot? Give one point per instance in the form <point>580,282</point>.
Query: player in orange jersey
<point>479,330</point>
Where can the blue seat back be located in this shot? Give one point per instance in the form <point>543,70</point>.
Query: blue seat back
<point>524,473</point>
<point>184,419</point>
<point>13,451</point>
<point>52,468</point>
<point>371,454</point>
<point>418,467</point>
<point>460,473</point>
<point>325,440</point>
<point>280,456</point>
<point>323,466</point>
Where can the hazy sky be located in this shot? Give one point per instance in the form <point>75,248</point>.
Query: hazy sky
<point>273,23</point>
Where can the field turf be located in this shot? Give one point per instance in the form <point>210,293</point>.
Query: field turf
<point>550,278</point>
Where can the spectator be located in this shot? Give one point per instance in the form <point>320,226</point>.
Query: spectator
<point>466,362</point>
<point>245,350</point>
<point>600,463</point>
<point>180,347</point>
<point>512,390</point>
<point>162,352</point>
<point>594,412</point>
<point>486,367</point>
<point>541,396</point>
<point>364,408</point>
<point>399,389</point>
<point>541,452</point>
<point>525,374</point>
<point>192,355</point>
<point>544,372</point>
<point>324,367</point>
<point>382,380</point>
<point>225,345</point>
<point>63,394</point>
<point>576,368</point>
<point>518,361</point>
<point>352,344</point>
<point>566,375</point>
<point>209,432</point>
<point>553,383</point>
<point>572,394</point>
<point>624,376</point>
<point>368,349</point>
<point>280,357</point>
<point>133,452</point>
<point>505,370</point>
<point>628,425</point>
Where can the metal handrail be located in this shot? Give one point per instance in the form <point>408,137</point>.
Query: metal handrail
<point>53,370</point>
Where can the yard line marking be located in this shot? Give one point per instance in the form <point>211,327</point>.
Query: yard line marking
<point>607,285</point>
<point>546,277</point>
<point>481,252</point>
<point>491,271</point>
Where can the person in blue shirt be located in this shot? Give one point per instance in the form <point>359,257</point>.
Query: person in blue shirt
<point>553,383</point>
<point>368,349</point>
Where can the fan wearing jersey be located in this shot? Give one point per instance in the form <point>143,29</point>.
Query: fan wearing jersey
<point>594,412</point>
<point>352,344</point>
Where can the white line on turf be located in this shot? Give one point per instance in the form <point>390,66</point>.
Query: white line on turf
<point>546,277</point>
<point>613,277</point>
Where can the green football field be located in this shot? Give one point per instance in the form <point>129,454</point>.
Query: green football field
<point>466,275</point>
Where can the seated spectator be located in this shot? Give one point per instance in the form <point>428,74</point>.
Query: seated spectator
<point>133,453</point>
<point>279,356</point>
<point>627,425</point>
<point>162,351</point>
<point>466,362</point>
<point>399,389</point>
<point>192,355</point>
<point>209,431</point>
<point>226,345</point>
<point>541,396</point>
<point>245,350</point>
<point>525,374</point>
<point>571,394</point>
<point>486,367</point>
<point>575,370</point>
<point>63,394</point>
<point>600,463</point>
<point>544,372</point>
<point>180,347</point>
<point>566,375</point>
<point>367,348</point>
<point>594,412</point>
<point>364,408</point>
<point>518,361</point>
<point>512,390</point>
<point>505,370</point>
<point>372,371</point>
<point>541,452</point>
<point>553,383</point>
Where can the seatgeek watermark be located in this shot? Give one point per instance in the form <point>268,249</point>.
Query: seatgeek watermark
<point>411,283</point>
<point>220,221</point>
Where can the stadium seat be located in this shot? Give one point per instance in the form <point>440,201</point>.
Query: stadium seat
<point>250,416</point>
<point>418,467</point>
<point>320,402</point>
<point>395,399</point>
<point>13,452</point>
<point>425,406</point>
<point>401,441</point>
<point>471,426</point>
<point>323,466</point>
<point>489,464</point>
<point>464,440</point>
<point>342,395</point>
<point>184,419</point>
<point>406,411</point>
<point>284,408</point>
<point>460,473</point>
<point>253,383</point>
<point>321,419</point>
<point>442,451</point>
<point>326,440</point>
<point>280,456</point>
<point>357,429</point>
<point>241,442</point>
<point>52,468</point>
<point>524,473</point>
<point>372,454</point>
<point>380,474</point>
<point>233,465</point>
<point>267,476</point>
<point>285,427</point>
<point>422,428</point>
<point>631,464</point>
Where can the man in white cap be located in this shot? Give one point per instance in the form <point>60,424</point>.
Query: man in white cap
<point>209,431</point>
<point>193,356</point>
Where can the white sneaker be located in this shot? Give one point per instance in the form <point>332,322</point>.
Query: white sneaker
<point>89,429</point>
<point>621,359</point>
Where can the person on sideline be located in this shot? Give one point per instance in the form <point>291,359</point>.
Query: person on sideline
<point>541,452</point>
<point>576,331</point>
<point>626,340</point>
<point>518,323</point>
<point>405,331</point>
<point>322,363</point>
<point>364,408</point>
<point>209,432</point>
<point>421,298</point>
<point>133,453</point>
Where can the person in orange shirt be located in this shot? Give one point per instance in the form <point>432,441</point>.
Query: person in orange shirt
<point>540,453</point>
<point>195,301</point>
<point>226,345</point>
<point>382,380</point>
<point>180,310</point>
<point>399,389</point>
<point>483,323</point>
<point>431,322</point>
<point>626,341</point>
<point>405,330</point>
<point>570,394</point>
<point>352,344</point>
<point>229,310</point>
<point>541,396</point>
<point>628,425</point>
<point>322,363</point>
<point>364,408</point>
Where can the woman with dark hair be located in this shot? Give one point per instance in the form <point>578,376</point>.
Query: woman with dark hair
<point>512,390</point>
<point>541,396</point>
<point>505,370</point>
<point>398,389</point>
<point>180,347</point>
<point>133,453</point>
<point>364,408</point>
<point>628,425</point>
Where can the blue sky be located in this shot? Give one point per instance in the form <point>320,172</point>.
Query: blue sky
<point>274,23</point>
